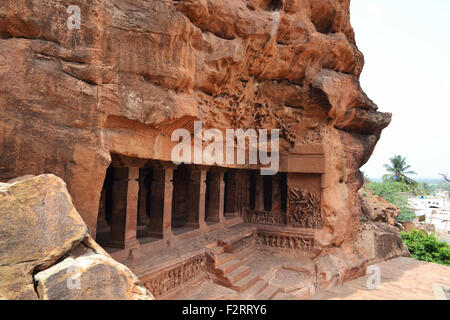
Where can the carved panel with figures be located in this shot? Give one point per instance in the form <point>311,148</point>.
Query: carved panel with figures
<point>286,241</point>
<point>304,209</point>
<point>265,217</point>
<point>167,280</point>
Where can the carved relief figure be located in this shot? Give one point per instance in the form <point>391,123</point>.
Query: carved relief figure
<point>304,209</point>
<point>283,241</point>
<point>265,217</point>
<point>169,279</point>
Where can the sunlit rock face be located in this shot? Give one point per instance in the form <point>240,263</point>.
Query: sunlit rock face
<point>136,70</point>
<point>46,252</point>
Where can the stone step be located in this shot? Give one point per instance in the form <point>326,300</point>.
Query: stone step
<point>229,266</point>
<point>216,250</point>
<point>237,274</point>
<point>223,258</point>
<point>255,289</point>
<point>268,293</point>
<point>245,283</point>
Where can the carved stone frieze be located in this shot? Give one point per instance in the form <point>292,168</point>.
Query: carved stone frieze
<point>286,241</point>
<point>304,209</point>
<point>167,280</point>
<point>265,217</point>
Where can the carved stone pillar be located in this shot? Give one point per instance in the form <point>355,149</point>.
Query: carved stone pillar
<point>259,192</point>
<point>232,196</point>
<point>124,208</point>
<point>245,190</point>
<point>102,224</point>
<point>160,224</point>
<point>196,198</point>
<point>143,191</point>
<point>276,193</point>
<point>216,192</point>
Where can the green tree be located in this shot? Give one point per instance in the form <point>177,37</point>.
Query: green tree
<point>426,247</point>
<point>398,171</point>
<point>445,176</point>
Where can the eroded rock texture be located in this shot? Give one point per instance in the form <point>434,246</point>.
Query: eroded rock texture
<point>46,253</point>
<point>138,69</point>
<point>375,208</point>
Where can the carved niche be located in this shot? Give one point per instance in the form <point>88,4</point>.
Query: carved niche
<point>304,209</point>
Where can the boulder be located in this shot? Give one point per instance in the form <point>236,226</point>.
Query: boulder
<point>416,225</point>
<point>409,225</point>
<point>339,264</point>
<point>46,252</point>
<point>375,208</point>
<point>379,241</point>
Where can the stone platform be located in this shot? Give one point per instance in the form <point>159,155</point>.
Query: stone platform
<point>227,263</point>
<point>401,279</point>
<point>232,262</point>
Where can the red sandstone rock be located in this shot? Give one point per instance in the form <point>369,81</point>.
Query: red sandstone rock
<point>45,241</point>
<point>136,70</point>
<point>375,208</point>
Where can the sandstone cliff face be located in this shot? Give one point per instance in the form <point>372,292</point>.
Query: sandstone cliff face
<point>46,253</point>
<point>136,70</point>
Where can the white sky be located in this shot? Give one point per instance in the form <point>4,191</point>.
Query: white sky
<point>406,44</point>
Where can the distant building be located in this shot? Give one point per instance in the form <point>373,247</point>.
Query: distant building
<point>442,193</point>
<point>439,218</point>
<point>423,202</point>
<point>436,210</point>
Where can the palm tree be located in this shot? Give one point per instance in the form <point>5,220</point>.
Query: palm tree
<point>445,176</point>
<point>398,170</point>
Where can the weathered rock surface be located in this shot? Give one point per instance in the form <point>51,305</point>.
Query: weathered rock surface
<point>136,70</point>
<point>45,251</point>
<point>379,241</point>
<point>375,208</point>
<point>416,225</point>
<point>375,242</point>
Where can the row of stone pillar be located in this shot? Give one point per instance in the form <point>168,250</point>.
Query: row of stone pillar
<point>128,187</point>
